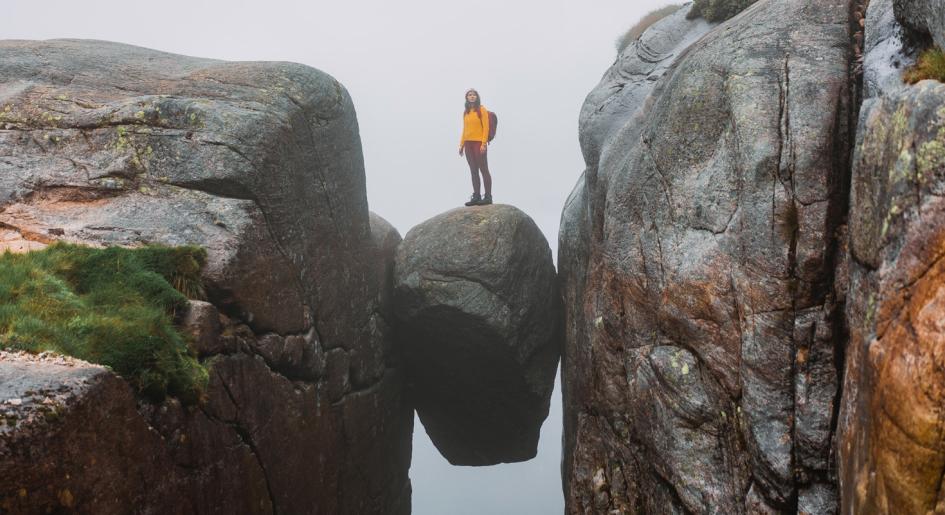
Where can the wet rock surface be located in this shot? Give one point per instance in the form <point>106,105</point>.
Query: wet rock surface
<point>886,51</point>
<point>892,455</point>
<point>259,163</point>
<point>477,307</point>
<point>697,261</point>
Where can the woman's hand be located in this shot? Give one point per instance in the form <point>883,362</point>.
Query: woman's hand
<point>482,149</point>
<point>460,150</point>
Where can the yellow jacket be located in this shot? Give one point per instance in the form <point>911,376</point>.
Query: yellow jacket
<point>474,128</point>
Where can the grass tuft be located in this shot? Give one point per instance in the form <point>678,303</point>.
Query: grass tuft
<point>717,10</point>
<point>929,65</point>
<point>112,306</point>
<point>649,19</point>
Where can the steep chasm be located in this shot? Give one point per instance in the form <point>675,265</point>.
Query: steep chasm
<point>697,260</point>
<point>260,164</point>
<point>478,320</point>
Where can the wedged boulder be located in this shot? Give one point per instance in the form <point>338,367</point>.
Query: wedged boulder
<point>699,367</point>
<point>925,18</point>
<point>892,452</point>
<point>477,306</point>
<point>259,163</point>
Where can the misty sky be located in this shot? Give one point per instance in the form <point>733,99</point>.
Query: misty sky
<point>406,64</point>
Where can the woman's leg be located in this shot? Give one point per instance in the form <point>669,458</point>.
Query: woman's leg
<point>472,157</point>
<point>486,176</point>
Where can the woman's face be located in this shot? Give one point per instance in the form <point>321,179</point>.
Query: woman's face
<point>471,96</point>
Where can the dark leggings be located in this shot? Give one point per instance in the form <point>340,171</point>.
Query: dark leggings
<point>478,163</point>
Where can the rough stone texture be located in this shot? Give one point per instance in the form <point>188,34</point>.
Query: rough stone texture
<point>477,304</point>
<point>260,163</point>
<point>925,18</point>
<point>891,444</point>
<point>885,53</point>
<point>696,260</point>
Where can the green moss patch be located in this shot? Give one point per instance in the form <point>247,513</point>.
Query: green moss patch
<point>112,306</point>
<point>929,65</point>
<point>717,10</point>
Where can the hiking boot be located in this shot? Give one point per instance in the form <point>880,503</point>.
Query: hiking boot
<point>474,200</point>
<point>486,200</point>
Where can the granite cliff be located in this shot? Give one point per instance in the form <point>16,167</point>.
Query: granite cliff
<point>750,268</point>
<point>260,164</point>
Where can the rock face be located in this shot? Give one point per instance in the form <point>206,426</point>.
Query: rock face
<point>925,18</point>
<point>697,262</point>
<point>891,422</point>
<point>476,301</point>
<point>260,163</point>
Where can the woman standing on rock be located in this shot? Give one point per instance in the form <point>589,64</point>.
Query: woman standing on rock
<point>474,143</point>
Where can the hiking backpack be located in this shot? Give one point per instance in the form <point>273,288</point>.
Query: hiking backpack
<point>493,121</point>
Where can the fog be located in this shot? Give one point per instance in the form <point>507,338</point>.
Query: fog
<point>406,65</point>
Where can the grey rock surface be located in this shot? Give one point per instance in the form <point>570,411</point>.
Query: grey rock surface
<point>925,18</point>
<point>697,264</point>
<point>626,85</point>
<point>477,306</point>
<point>259,163</point>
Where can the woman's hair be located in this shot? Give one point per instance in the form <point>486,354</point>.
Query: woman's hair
<point>473,105</point>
